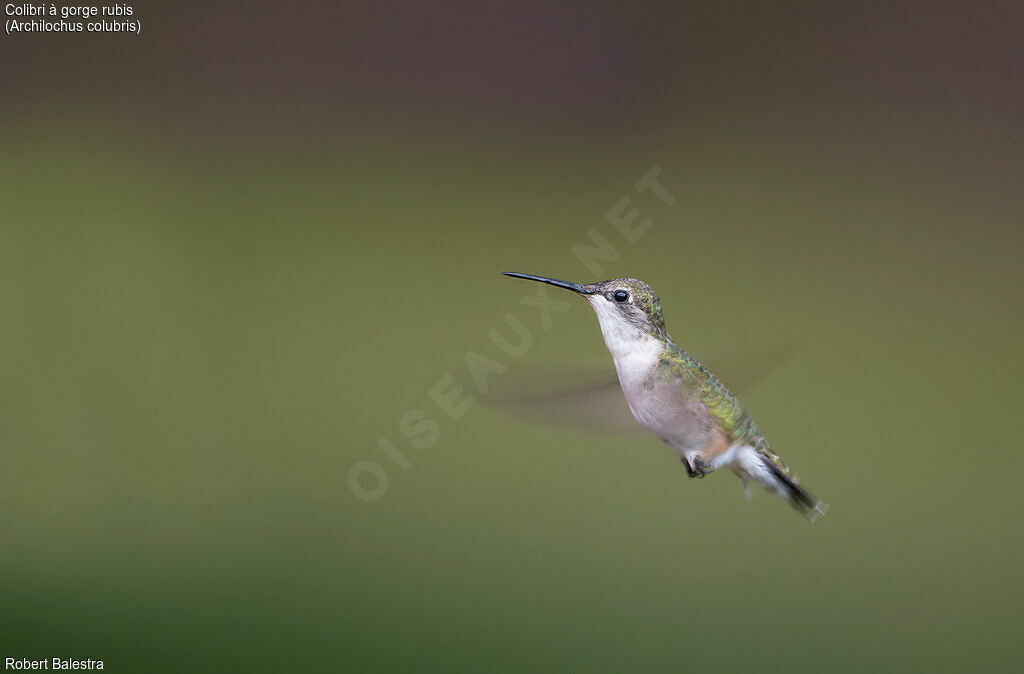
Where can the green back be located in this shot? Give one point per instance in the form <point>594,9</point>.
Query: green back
<point>718,399</point>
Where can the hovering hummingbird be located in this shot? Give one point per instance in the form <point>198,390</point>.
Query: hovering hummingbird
<point>676,397</point>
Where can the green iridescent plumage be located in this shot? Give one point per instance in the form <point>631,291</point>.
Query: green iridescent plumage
<point>698,380</point>
<point>719,400</point>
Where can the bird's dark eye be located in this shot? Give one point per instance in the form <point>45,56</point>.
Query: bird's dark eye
<point>620,295</point>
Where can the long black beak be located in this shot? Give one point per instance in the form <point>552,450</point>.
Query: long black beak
<point>575,287</point>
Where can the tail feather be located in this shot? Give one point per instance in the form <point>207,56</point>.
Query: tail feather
<point>763,465</point>
<point>801,500</point>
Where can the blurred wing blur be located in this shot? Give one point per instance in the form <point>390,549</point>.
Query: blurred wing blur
<point>743,370</point>
<point>591,398</point>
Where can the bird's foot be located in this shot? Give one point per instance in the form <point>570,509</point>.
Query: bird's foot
<point>695,467</point>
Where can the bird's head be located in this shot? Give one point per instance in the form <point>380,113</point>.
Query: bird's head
<point>627,308</point>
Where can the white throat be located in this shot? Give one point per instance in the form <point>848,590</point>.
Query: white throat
<point>634,351</point>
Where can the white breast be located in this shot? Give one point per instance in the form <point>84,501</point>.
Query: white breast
<point>635,352</point>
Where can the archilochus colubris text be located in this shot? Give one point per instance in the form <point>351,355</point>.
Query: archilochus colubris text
<point>678,399</point>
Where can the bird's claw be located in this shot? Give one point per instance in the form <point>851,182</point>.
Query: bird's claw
<point>695,467</point>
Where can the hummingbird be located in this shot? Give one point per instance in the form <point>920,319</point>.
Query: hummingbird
<point>676,397</point>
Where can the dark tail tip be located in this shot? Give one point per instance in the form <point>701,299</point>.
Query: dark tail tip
<point>801,500</point>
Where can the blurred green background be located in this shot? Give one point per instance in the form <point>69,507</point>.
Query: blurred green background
<point>236,250</point>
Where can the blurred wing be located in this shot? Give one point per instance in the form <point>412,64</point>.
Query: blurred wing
<point>742,370</point>
<point>591,398</point>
